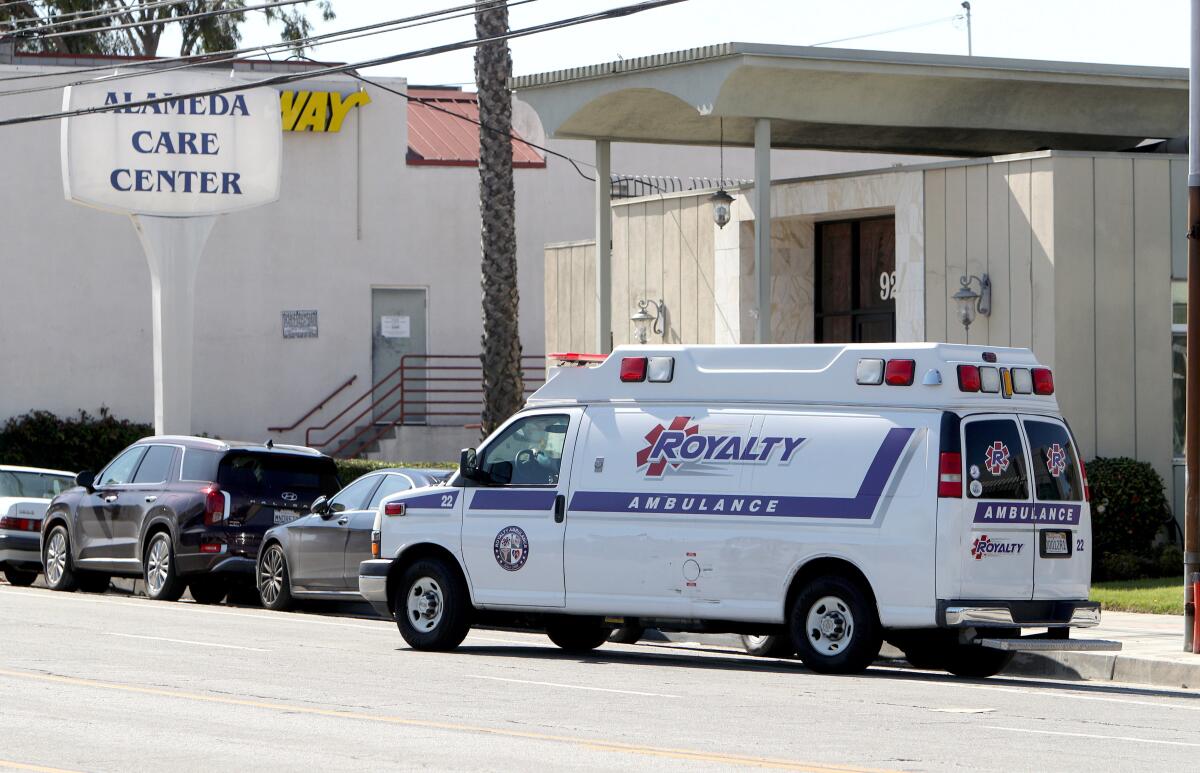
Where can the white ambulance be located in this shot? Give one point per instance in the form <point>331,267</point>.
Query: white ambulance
<point>831,496</point>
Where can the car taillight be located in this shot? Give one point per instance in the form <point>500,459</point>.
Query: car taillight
<point>899,372</point>
<point>210,547</point>
<point>950,475</point>
<point>20,524</point>
<point>1087,491</point>
<point>968,378</point>
<point>214,505</point>
<point>1043,381</point>
<point>376,547</point>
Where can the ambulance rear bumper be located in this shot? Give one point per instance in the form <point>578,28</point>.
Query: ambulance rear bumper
<point>959,613</point>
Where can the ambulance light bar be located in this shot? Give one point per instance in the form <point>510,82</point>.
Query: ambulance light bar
<point>874,371</point>
<point>1021,381</point>
<point>575,358</point>
<point>659,370</point>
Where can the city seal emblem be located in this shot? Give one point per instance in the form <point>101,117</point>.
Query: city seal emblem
<point>511,548</point>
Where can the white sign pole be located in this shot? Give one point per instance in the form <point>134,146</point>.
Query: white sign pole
<point>173,246</point>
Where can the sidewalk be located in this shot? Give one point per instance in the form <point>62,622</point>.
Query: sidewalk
<point>1152,653</point>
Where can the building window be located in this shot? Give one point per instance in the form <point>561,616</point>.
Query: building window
<point>856,281</point>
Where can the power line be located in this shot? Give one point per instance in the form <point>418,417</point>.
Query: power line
<point>611,13</point>
<point>173,19</point>
<point>888,32</point>
<point>56,20</point>
<point>231,54</point>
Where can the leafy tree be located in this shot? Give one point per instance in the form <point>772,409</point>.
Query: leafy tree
<point>503,386</point>
<point>150,18</point>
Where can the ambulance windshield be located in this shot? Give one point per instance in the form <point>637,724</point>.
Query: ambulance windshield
<point>529,452</point>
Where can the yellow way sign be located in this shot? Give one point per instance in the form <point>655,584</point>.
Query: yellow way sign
<point>317,111</point>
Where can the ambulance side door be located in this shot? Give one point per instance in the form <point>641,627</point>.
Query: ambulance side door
<point>513,524</point>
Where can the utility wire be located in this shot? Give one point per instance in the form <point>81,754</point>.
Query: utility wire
<point>64,19</point>
<point>173,19</point>
<point>611,13</point>
<point>888,32</point>
<point>231,54</point>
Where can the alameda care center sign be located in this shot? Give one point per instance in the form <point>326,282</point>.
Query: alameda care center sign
<point>187,156</point>
<point>172,158</point>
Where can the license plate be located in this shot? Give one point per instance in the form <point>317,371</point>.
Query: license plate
<point>285,516</point>
<point>1056,543</point>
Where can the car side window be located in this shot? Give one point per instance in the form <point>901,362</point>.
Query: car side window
<point>353,496</point>
<point>529,453</point>
<point>392,484</point>
<point>155,466</point>
<point>1055,468</point>
<point>120,470</point>
<point>995,460</point>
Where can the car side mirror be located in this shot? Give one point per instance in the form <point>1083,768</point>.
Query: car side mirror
<point>501,473</point>
<point>468,464</point>
<point>87,479</point>
<point>320,505</point>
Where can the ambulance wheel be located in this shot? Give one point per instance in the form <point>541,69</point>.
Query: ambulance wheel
<point>576,634</point>
<point>433,607</point>
<point>768,646</point>
<point>627,634</point>
<point>974,662</point>
<point>19,577</point>
<point>834,626</point>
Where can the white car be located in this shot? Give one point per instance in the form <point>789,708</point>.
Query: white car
<point>25,492</point>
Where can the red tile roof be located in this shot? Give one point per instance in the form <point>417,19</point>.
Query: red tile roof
<point>436,138</point>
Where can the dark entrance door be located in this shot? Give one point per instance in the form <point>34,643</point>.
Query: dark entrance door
<point>856,281</point>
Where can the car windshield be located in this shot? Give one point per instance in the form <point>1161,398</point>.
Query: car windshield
<point>35,485</point>
<point>272,474</point>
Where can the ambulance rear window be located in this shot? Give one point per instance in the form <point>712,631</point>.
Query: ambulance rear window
<point>1055,469</point>
<point>995,460</point>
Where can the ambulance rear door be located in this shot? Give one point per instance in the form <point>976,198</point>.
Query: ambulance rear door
<point>996,543</point>
<point>1062,566</point>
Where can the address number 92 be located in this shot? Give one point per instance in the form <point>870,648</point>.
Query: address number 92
<point>887,285</point>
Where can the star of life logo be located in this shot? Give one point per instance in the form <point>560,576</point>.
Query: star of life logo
<point>997,458</point>
<point>985,546</point>
<point>1056,460</point>
<point>682,442</point>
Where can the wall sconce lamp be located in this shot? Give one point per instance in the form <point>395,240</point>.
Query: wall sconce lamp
<point>643,320</point>
<point>969,302</point>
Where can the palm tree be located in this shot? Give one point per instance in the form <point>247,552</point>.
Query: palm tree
<point>503,387</point>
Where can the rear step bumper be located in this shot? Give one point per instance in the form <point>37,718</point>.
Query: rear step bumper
<point>973,613</point>
<point>1051,645</point>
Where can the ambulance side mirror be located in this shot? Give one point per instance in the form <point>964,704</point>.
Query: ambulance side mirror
<point>468,464</point>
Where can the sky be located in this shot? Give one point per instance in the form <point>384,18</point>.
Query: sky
<point>1150,32</point>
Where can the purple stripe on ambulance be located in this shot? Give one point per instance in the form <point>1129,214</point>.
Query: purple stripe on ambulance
<point>1027,512</point>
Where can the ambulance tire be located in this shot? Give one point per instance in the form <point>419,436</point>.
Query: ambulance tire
<point>577,634</point>
<point>768,646</point>
<point>834,626</point>
<point>432,606</point>
<point>974,662</point>
<point>627,634</point>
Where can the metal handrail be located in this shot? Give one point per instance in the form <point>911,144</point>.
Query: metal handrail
<point>404,401</point>
<point>316,407</point>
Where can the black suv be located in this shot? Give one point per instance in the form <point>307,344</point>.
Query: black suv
<point>179,511</point>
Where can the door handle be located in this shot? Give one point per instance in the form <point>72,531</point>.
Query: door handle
<point>343,521</point>
<point>151,498</point>
<point>560,508</point>
<point>110,498</point>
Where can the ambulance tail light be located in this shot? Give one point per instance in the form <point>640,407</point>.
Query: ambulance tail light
<point>633,369</point>
<point>900,372</point>
<point>950,475</point>
<point>1087,490</point>
<point>870,372</point>
<point>1022,381</point>
<point>1043,381</point>
<point>968,378</point>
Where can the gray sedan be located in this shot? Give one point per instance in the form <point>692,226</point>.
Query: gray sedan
<point>317,555</point>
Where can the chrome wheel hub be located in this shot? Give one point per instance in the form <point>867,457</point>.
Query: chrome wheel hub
<point>56,557</point>
<point>425,604</point>
<point>158,565</point>
<point>270,576</point>
<point>830,625</point>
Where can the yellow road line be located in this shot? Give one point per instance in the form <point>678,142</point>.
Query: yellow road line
<point>586,743</point>
<point>10,765</point>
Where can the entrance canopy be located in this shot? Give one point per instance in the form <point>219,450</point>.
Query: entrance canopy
<point>874,101</point>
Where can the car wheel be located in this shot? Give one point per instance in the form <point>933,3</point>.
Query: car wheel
<point>56,558</point>
<point>577,634</point>
<point>433,608</point>
<point>158,568</point>
<point>627,634</point>
<point>19,577</point>
<point>93,582</point>
<point>834,626</point>
<point>274,583</point>
<point>768,646</point>
<point>207,590</point>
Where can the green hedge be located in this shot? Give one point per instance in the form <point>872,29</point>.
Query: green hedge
<point>81,442</point>
<point>351,469</point>
<point>1129,510</point>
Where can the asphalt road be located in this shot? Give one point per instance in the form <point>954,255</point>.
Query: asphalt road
<point>121,683</point>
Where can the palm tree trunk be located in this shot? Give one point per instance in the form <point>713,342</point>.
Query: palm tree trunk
<point>503,388</point>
